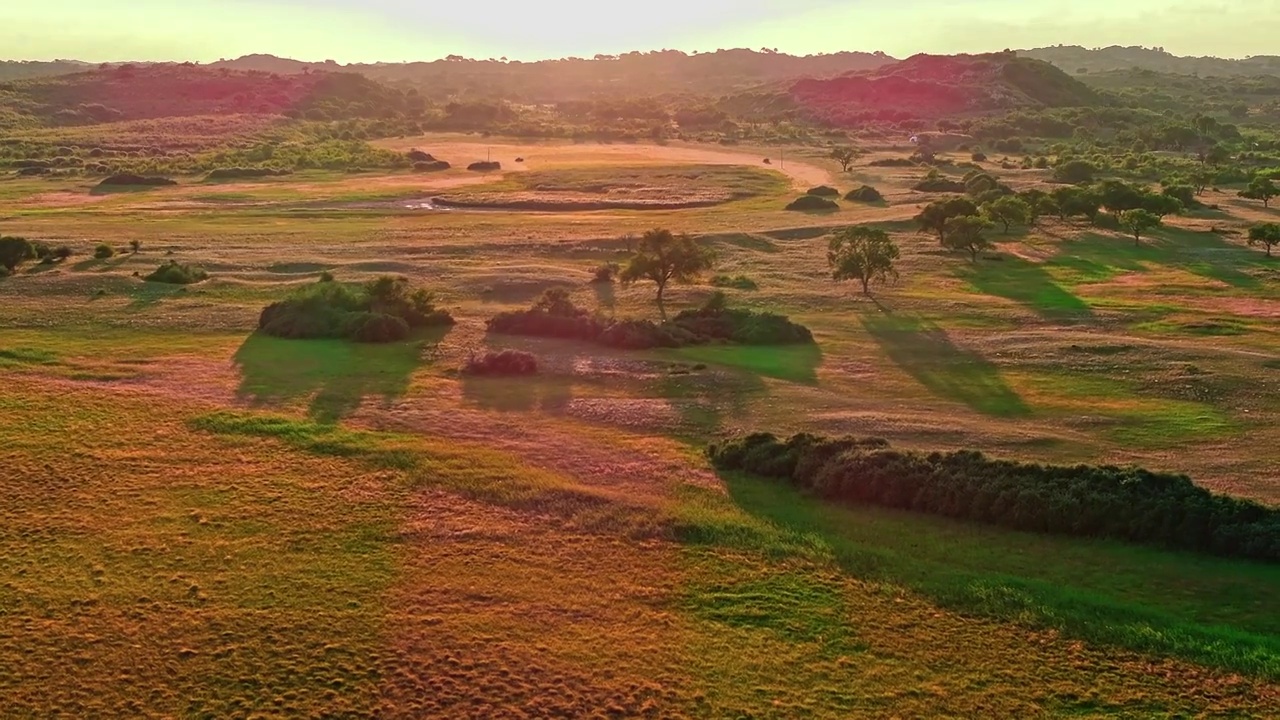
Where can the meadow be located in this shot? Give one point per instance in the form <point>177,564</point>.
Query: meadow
<point>205,521</point>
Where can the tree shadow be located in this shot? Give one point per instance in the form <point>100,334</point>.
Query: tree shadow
<point>925,352</point>
<point>150,293</point>
<point>545,393</point>
<point>606,297</point>
<point>1027,284</point>
<point>1205,254</point>
<point>792,363</point>
<point>335,376</point>
<point>705,400</point>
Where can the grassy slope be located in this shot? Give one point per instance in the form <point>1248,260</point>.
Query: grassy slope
<point>334,500</point>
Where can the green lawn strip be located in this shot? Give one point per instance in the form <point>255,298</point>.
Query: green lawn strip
<point>1204,610</point>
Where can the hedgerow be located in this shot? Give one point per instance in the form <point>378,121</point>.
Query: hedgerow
<point>1128,504</point>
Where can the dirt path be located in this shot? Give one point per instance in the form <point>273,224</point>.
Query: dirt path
<point>537,156</point>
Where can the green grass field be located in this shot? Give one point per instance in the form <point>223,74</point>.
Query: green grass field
<point>202,521</point>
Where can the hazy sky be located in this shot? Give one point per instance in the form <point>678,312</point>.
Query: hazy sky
<point>398,30</point>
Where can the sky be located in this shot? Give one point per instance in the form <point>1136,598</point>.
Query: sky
<point>407,30</point>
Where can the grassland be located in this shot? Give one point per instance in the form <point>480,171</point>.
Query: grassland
<point>201,521</point>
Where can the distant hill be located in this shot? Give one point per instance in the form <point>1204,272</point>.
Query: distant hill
<point>934,86</point>
<point>1077,61</point>
<point>141,92</point>
<point>24,69</point>
<point>628,75</point>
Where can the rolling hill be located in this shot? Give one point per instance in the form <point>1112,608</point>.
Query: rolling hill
<point>1079,61</point>
<point>933,86</point>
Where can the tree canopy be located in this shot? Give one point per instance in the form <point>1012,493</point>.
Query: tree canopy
<point>662,258</point>
<point>862,253</point>
<point>965,232</point>
<point>1138,222</point>
<point>1266,235</point>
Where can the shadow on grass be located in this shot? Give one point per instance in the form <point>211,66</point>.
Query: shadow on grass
<point>543,393</point>
<point>925,352</point>
<point>606,297</point>
<point>793,363</point>
<point>1027,284</point>
<point>1198,608</point>
<point>1205,254</point>
<point>150,293</point>
<point>335,376</point>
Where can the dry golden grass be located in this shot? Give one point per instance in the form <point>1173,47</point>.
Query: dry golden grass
<point>201,522</point>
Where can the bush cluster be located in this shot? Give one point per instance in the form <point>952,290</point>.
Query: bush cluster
<point>824,191</point>
<point>812,202</point>
<point>507,362</point>
<point>865,194</point>
<point>103,251</point>
<point>555,316</point>
<point>1129,504</point>
<point>485,166</point>
<point>383,310</point>
<point>431,166</point>
<point>737,282</point>
<point>173,273</point>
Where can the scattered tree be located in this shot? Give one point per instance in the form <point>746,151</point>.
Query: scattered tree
<point>1073,201</point>
<point>1139,221</point>
<point>1185,194</point>
<point>862,253</point>
<point>135,246</point>
<point>845,156</point>
<point>1265,234</point>
<point>1262,188</point>
<point>1075,172</point>
<point>1118,196</point>
<point>663,257</point>
<point>935,215</point>
<point>1009,210</point>
<point>965,232</point>
<point>1161,204</point>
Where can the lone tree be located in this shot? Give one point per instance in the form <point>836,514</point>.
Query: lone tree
<point>862,253</point>
<point>1262,188</point>
<point>935,215</point>
<point>845,156</point>
<point>13,251</point>
<point>663,257</point>
<point>1138,222</point>
<point>966,233</point>
<point>1009,210</point>
<point>1265,234</point>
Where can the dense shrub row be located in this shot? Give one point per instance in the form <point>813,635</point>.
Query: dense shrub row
<point>431,166</point>
<point>485,166</point>
<point>555,315</point>
<point>383,310</point>
<point>231,173</point>
<point>127,179</point>
<point>1127,504</point>
<point>506,362</point>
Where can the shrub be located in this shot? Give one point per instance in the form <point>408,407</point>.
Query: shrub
<point>507,362</point>
<point>737,282</point>
<point>1128,504</point>
<point>893,162</point>
<point>812,203</point>
<point>14,251</point>
<point>1075,172</point>
<point>485,166</point>
<point>383,310</point>
<point>431,166</point>
<point>418,156</point>
<point>376,327</point>
<point>978,156</point>
<point>604,273</point>
<point>104,251</point>
<point>824,191</point>
<point>173,273</point>
<point>865,194</point>
<point>62,252</point>
<point>129,179</point>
